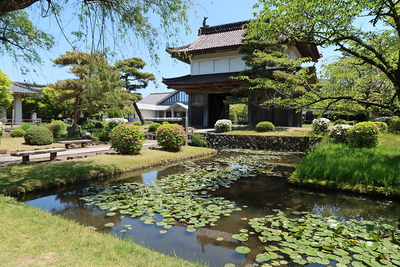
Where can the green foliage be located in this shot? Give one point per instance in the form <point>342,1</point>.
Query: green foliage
<point>170,136</point>
<point>154,126</point>
<point>238,112</point>
<point>339,133</point>
<point>394,124</point>
<point>20,38</point>
<point>2,128</point>
<point>364,134</point>
<point>340,121</point>
<point>367,77</point>
<point>137,123</point>
<point>54,128</point>
<point>198,140</point>
<point>18,132</point>
<point>63,126</point>
<point>104,135</point>
<point>25,126</point>
<point>37,135</point>
<point>6,95</point>
<point>265,126</point>
<point>383,127</point>
<point>320,125</point>
<point>127,139</point>
<point>223,126</point>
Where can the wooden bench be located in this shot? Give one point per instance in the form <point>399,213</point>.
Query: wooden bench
<point>83,142</point>
<point>25,154</point>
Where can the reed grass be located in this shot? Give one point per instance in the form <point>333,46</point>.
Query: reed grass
<point>341,166</point>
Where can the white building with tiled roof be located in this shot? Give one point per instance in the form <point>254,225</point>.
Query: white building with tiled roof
<point>214,58</point>
<point>159,106</point>
<point>21,90</point>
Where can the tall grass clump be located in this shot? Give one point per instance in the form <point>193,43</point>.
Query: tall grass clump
<point>340,165</point>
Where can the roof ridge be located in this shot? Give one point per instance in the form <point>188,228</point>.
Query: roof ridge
<point>222,27</point>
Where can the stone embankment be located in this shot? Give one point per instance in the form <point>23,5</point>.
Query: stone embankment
<point>259,142</point>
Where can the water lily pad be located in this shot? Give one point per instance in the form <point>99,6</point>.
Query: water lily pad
<point>242,249</point>
<point>109,224</point>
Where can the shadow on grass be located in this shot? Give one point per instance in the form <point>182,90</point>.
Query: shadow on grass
<point>23,178</point>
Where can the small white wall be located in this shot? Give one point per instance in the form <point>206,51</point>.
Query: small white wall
<point>226,62</point>
<point>17,106</point>
<point>217,63</point>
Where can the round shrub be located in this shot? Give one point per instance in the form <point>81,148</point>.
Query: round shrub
<point>170,136</point>
<point>138,123</point>
<point>320,125</point>
<point>116,121</point>
<point>37,135</point>
<point>126,139</point>
<point>18,132</point>
<point>339,133</point>
<point>223,126</point>
<point>383,127</point>
<point>154,126</point>
<point>198,140</point>
<point>63,127</point>
<point>394,124</point>
<point>364,134</point>
<point>54,128</point>
<point>265,126</point>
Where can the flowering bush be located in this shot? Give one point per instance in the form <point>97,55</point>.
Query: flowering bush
<point>126,139</point>
<point>364,134</point>
<point>112,122</point>
<point>320,125</point>
<point>170,136</point>
<point>2,128</point>
<point>222,126</point>
<point>265,126</point>
<point>339,133</point>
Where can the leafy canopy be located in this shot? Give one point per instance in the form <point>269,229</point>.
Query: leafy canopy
<point>368,31</point>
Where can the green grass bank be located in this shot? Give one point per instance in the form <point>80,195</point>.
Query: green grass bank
<point>363,170</point>
<point>32,237</point>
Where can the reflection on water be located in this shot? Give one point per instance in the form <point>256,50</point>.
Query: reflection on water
<point>257,195</point>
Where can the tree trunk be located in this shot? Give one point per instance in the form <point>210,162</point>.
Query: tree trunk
<point>139,113</point>
<point>76,117</point>
<point>9,5</point>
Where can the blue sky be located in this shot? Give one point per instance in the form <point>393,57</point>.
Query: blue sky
<point>217,11</point>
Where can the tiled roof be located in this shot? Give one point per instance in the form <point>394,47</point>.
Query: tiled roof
<point>196,79</point>
<point>153,98</point>
<point>26,88</point>
<point>212,38</point>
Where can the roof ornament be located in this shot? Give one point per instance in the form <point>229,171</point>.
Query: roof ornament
<point>204,22</point>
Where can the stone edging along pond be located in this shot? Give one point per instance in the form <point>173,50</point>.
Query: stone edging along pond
<point>100,175</point>
<point>261,142</point>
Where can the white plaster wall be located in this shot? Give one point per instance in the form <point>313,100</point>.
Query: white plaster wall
<point>226,62</point>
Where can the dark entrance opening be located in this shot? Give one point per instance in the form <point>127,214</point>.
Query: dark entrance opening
<point>217,109</point>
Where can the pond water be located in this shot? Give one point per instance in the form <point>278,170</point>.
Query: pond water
<point>257,196</point>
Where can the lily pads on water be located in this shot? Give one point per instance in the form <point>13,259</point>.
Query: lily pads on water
<point>308,238</point>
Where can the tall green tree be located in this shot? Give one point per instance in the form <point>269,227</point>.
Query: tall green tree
<point>95,81</point>
<point>97,20</point>
<point>368,31</point>
<point>271,74</point>
<point>6,97</point>
<point>133,78</point>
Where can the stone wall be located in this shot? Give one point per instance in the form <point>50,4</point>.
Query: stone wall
<point>258,142</point>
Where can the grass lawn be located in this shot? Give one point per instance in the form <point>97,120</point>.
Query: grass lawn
<point>32,237</point>
<point>365,170</point>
